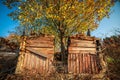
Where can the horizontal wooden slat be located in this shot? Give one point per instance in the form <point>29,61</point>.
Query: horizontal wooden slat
<point>40,46</point>
<point>42,38</point>
<point>40,42</point>
<point>82,51</point>
<point>81,41</point>
<point>44,50</point>
<point>37,52</point>
<point>80,48</point>
<point>82,45</point>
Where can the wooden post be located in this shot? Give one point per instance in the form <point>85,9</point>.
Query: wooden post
<point>19,66</point>
<point>103,64</point>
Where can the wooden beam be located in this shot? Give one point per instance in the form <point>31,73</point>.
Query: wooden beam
<point>82,51</point>
<point>85,45</point>
<point>80,48</point>
<point>37,52</point>
<point>81,41</point>
<point>40,46</point>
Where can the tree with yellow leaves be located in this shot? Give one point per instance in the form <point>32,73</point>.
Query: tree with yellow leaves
<point>61,18</point>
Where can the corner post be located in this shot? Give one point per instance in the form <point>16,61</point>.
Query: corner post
<point>19,67</point>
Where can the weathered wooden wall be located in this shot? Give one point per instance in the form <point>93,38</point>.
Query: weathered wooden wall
<point>82,56</point>
<point>83,63</point>
<point>38,55</point>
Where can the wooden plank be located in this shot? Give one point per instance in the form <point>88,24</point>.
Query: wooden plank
<point>31,61</point>
<point>92,64</point>
<point>39,42</point>
<point>85,63</point>
<point>82,51</point>
<point>42,38</point>
<point>36,67</point>
<point>30,56</point>
<point>77,63</point>
<point>40,45</point>
<point>81,63</point>
<point>85,45</point>
<point>28,65</point>
<point>74,64</point>
<point>44,50</point>
<point>41,49</point>
<point>79,48</point>
<point>40,65</point>
<point>47,66</point>
<point>89,68</point>
<point>43,64</point>
<point>68,63</point>
<point>95,63</point>
<point>81,41</point>
<point>36,52</point>
<point>27,59</point>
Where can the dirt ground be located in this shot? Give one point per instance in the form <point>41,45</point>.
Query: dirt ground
<point>7,63</point>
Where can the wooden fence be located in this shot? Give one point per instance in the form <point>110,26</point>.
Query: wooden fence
<point>83,63</point>
<point>39,54</point>
<point>82,56</point>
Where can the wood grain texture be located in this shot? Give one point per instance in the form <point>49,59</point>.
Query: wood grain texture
<point>82,63</point>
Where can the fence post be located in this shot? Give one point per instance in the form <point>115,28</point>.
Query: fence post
<point>19,66</point>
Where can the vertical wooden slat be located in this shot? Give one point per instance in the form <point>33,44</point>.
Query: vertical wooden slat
<point>80,63</point>
<point>33,59</point>
<point>40,68</point>
<point>36,67</point>
<point>86,66</point>
<point>69,62</point>
<point>86,63</point>
<point>96,69</point>
<point>77,63</point>
<point>28,62</point>
<point>43,65</point>
<point>82,69</point>
<point>73,63</point>
<point>71,68</point>
<point>89,68</point>
<point>25,60</point>
<point>91,65</point>
<point>83,63</point>
<point>46,65</point>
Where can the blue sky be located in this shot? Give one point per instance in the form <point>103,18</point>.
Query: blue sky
<point>6,23</point>
<point>106,27</point>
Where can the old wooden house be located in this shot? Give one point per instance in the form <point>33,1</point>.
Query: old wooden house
<point>38,54</point>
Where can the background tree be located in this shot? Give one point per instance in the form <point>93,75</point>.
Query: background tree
<point>61,18</point>
<point>112,54</point>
